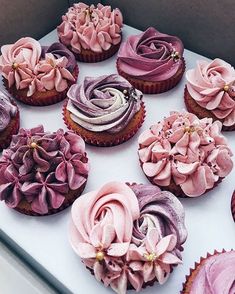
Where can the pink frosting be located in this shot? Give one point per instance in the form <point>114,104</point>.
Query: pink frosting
<point>90,27</point>
<point>41,168</point>
<point>151,56</point>
<point>101,233</point>
<point>216,276</point>
<point>191,152</point>
<point>212,86</point>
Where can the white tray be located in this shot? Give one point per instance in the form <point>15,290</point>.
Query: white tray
<point>44,240</point>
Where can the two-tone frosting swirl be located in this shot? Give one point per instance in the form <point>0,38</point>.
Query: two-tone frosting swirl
<point>212,86</point>
<point>96,28</point>
<point>186,150</point>
<point>216,275</point>
<point>7,110</point>
<point>42,168</point>
<point>106,103</point>
<point>151,56</point>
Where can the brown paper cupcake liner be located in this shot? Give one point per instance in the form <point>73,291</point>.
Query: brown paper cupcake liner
<point>40,98</point>
<point>11,129</point>
<point>104,139</point>
<point>233,205</point>
<point>201,112</point>
<point>149,87</point>
<point>25,207</point>
<point>187,285</point>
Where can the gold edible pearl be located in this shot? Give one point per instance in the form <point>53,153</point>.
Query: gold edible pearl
<point>150,257</point>
<point>125,91</point>
<point>226,88</point>
<point>100,256</point>
<point>15,65</point>
<point>189,129</point>
<point>33,145</point>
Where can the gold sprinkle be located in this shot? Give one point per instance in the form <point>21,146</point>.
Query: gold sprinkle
<point>175,55</point>
<point>150,257</point>
<point>124,91</point>
<point>99,256</point>
<point>33,145</point>
<point>189,129</point>
<point>226,88</point>
<point>15,65</point>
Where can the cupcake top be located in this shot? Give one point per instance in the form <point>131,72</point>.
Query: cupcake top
<point>151,56</point>
<point>28,65</point>
<point>95,28</point>
<point>182,148</point>
<point>216,275</point>
<point>212,85</point>
<point>8,110</point>
<point>129,235</point>
<point>106,103</point>
<point>41,168</point>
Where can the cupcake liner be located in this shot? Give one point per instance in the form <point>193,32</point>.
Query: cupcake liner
<point>194,271</point>
<point>150,87</point>
<point>40,98</point>
<point>11,129</point>
<point>25,208</point>
<point>233,205</point>
<point>201,112</point>
<point>90,56</point>
<point>104,139</point>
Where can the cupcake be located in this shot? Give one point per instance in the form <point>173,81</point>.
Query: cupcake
<point>213,274</point>
<point>128,236</point>
<point>151,61</point>
<point>184,154</point>
<point>43,173</point>
<point>92,33</point>
<point>9,119</point>
<point>210,92</point>
<point>104,111</point>
<point>233,205</point>
<point>35,74</point>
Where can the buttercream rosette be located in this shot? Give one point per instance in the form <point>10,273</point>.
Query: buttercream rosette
<point>185,154</point>
<point>215,273</point>
<point>152,61</point>
<point>42,173</point>
<point>35,74</point>
<point>105,110</point>
<point>130,235</point>
<point>210,91</point>
<point>93,32</point>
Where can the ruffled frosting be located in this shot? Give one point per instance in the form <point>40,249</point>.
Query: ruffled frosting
<point>42,168</point>
<point>103,232</point>
<point>151,56</point>
<point>191,152</point>
<point>27,65</point>
<point>95,28</point>
<point>7,110</point>
<point>216,275</point>
<point>106,103</point>
<point>212,86</point>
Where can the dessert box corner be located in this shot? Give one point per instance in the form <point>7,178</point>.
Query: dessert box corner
<point>45,239</point>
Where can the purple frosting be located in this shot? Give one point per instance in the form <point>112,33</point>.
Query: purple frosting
<point>7,110</point>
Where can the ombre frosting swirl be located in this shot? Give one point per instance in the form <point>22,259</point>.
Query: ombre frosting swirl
<point>28,65</point>
<point>7,110</point>
<point>216,275</point>
<point>42,168</point>
<point>95,28</point>
<point>212,86</point>
<point>151,56</point>
<point>106,103</point>
<point>186,150</point>
<point>119,233</point>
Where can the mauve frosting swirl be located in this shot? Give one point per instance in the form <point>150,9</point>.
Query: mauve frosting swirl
<point>7,110</point>
<point>106,103</point>
<point>42,168</point>
<point>151,56</point>
<point>212,86</point>
<point>216,275</point>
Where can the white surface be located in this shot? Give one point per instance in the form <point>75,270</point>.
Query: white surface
<point>208,218</point>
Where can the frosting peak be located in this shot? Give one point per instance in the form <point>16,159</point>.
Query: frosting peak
<point>7,110</point>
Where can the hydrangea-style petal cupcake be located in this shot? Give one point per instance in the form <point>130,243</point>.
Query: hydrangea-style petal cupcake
<point>213,274</point>
<point>104,111</point>
<point>92,33</point>
<point>9,119</point>
<point>128,236</point>
<point>37,75</point>
<point>42,173</point>
<point>210,92</point>
<point>184,154</point>
<point>233,205</point>
<point>151,61</point>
